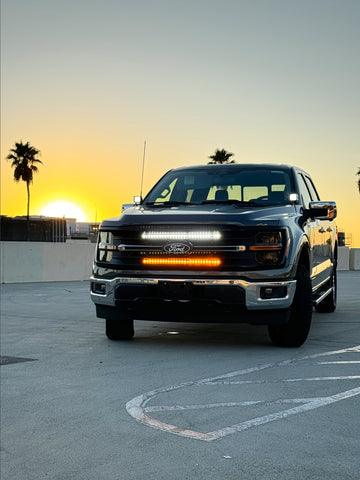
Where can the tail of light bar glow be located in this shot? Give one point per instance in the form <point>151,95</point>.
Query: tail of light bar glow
<point>196,235</point>
<point>186,262</point>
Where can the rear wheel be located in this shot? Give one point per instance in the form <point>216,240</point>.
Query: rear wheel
<point>120,328</point>
<point>328,305</point>
<point>295,332</point>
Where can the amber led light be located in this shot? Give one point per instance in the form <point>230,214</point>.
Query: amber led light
<point>265,247</point>
<point>191,262</point>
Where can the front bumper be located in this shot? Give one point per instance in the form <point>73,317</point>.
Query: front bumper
<point>228,291</point>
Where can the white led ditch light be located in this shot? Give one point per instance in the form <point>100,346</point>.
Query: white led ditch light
<point>197,235</point>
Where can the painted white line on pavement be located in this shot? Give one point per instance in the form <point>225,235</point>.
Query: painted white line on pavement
<point>259,382</point>
<point>281,415</point>
<point>355,349</point>
<point>339,363</point>
<point>174,408</point>
<point>137,406</point>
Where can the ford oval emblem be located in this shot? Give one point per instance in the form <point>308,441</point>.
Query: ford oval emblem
<point>178,248</point>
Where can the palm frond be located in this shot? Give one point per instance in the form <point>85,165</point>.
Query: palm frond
<point>221,156</point>
<point>23,159</point>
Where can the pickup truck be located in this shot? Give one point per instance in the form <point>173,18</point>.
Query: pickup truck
<point>227,243</point>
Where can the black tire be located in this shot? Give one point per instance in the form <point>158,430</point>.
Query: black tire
<point>295,332</point>
<point>328,305</point>
<point>119,329</point>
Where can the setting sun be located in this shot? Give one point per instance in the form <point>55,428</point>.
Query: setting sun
<point>63,209</point>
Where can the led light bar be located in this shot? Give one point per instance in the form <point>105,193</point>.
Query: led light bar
<point>266,247</point>
<point>196,235</point>
<point>187,262</point>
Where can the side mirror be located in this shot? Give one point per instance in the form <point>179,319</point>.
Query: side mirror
<point>323,210</point>
<point>138,200</point>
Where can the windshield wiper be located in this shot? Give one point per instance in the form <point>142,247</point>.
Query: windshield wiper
<point>231,202</point>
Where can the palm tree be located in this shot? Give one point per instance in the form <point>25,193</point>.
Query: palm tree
<point>221,156</point>
<point>358,173</point>
<point>24,161</point>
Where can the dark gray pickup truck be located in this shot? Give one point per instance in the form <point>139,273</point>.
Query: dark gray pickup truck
<point>220,243</point>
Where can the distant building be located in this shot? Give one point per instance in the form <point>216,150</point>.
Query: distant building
<point>46,229</point>
<point>341,239</point>
<point>82,230</point>
<point>344,239</point>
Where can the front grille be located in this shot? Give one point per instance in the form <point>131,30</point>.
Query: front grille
<point>125,248</point>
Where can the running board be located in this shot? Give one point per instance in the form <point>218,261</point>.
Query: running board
<point>322,296</point>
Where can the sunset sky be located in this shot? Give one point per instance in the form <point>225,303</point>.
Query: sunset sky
<point>88,81</point>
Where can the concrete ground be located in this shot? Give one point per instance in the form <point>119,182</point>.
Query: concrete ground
<point>180,401</point>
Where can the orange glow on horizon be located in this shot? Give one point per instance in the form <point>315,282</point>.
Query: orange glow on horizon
<point>63,210</point>
<point>62,177</point>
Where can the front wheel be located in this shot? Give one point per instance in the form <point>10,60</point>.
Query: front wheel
<point>119,329</point>
<point>295,332</point>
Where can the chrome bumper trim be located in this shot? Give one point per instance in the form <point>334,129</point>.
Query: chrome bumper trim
<point>252,290</point>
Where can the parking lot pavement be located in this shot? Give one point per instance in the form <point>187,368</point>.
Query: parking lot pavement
<point>180,401</point>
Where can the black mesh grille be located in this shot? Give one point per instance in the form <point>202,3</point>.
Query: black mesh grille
<point>232,249</point>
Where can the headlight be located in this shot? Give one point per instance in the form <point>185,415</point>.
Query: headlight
<point>268,247</point>
<point>269,238</point>
<point>105,247</point>
<point>267,258</point>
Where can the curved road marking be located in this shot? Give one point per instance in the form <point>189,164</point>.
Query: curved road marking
<point>249,382</point>
<point>174,408</point>
<point>338,363</point>
<point>137,406</point>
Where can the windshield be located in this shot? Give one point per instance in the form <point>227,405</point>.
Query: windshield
<point>238,186</point>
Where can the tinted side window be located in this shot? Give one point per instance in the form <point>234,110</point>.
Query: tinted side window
<point>304,191</point>
<point>312,189</point>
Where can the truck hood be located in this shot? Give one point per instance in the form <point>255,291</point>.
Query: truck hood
<point>209,214</point>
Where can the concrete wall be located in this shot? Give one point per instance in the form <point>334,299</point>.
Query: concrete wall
<point>355,259</point>
<point>45,261</point>
<point>49,262</point>
<point>343,258</point>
